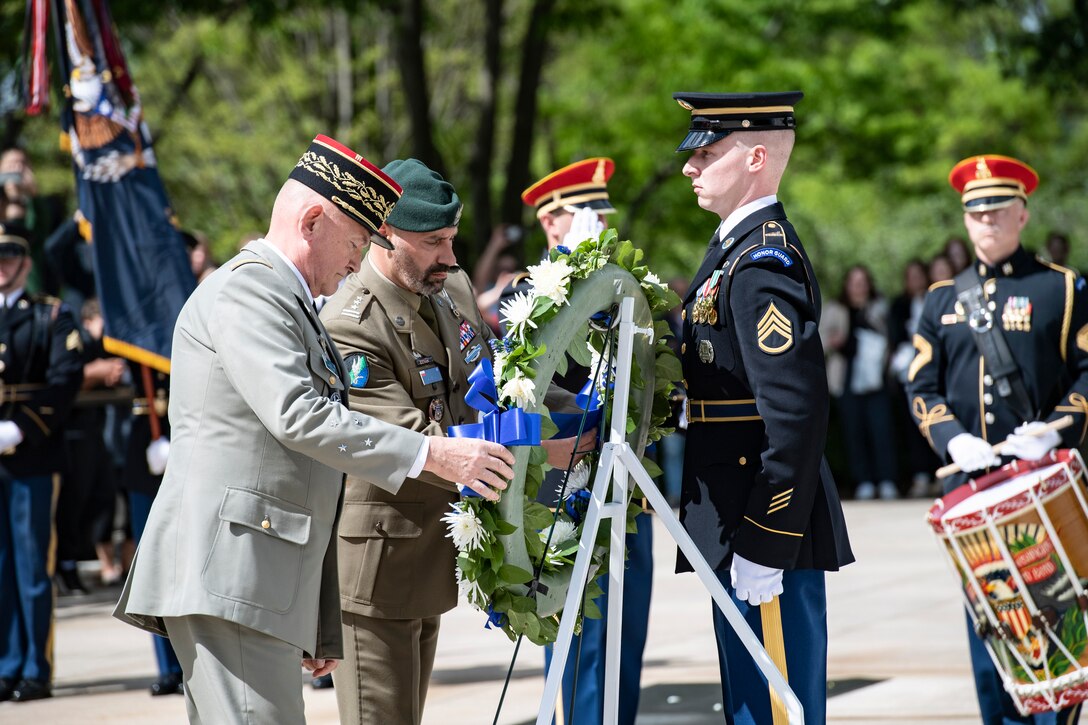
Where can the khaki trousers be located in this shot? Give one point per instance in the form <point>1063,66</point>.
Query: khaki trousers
<point>235,675</point>
<point>386,669</point>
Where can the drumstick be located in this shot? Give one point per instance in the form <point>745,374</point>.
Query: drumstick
<point>1064,422</point>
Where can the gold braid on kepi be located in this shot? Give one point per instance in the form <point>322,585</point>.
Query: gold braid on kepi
<point>357,187</point>
<point>990,181</point>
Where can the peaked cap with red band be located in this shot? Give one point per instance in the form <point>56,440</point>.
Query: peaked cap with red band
<point>990,181</point>
<point>357,187</point>
<point>583,184</point>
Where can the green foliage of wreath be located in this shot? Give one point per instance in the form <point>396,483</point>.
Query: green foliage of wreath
<point>486,579</point>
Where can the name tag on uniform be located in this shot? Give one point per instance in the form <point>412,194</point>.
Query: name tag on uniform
<point>430,376</point>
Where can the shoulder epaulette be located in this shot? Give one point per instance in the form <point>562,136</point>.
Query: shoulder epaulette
<point>255,260</point>
<point>354,309</point>
<point>773,233</point>
<point>1056,267</point>
<point>942,283</point>
<point>519,278</point>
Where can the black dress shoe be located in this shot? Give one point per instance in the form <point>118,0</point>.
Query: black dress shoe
<point>7,687</point>
<point>167,685</point>
<point>28,690</point>
<point>69,583</point>
<point>322,683</point>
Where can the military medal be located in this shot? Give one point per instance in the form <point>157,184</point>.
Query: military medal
<point>714,283</point>
<point>436,410</point>
<point>706,351</point>
<point>466,333</point>
<point>1016,317</point>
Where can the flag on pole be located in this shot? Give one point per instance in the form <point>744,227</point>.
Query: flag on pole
<point>142,270</point>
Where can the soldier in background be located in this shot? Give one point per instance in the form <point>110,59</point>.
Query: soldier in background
<point>41,369</point>
<point>956,395</point>
<point>571,205</point>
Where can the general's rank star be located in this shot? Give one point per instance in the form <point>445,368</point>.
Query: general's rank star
<point>368,442</point>
<point>343,448</point>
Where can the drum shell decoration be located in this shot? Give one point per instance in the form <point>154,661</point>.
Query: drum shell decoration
<point>1017,540</point>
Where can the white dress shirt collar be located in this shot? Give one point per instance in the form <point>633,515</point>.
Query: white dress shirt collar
<point>739,214</point>
<point>10,300</point>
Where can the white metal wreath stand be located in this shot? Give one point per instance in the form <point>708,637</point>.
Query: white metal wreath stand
<point>617,462</point>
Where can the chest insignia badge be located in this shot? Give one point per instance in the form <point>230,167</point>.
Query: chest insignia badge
<point>436,410</point>
<point>430,376</point>
<point>706,351</point>
<point>474,353</point>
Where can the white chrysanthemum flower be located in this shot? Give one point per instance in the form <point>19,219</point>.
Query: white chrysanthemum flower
<point>468,590</point>
<point>564,531</point>
<point>551,279</point>
<point>518,311</point>
<point>653,279</point>
<point>465,528</point>
<point>579,477</point>
<point>520,389</point>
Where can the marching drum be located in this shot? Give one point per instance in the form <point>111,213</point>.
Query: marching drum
<point>1017,540</point>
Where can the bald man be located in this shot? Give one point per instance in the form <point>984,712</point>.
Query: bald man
<point>237,564</point>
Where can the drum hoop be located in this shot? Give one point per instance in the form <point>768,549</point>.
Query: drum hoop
<point>1014,469</point>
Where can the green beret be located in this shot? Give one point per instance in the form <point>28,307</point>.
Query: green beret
<point>428,201</point>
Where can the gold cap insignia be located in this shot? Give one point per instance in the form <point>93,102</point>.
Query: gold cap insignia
<point>982,170</point>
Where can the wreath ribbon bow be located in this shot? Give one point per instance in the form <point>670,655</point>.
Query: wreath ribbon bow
<point>512,427</point>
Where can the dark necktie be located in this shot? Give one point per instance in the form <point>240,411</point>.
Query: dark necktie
<point>714,240</point>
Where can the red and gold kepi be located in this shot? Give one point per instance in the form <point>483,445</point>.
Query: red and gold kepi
<point>991,181</point>
<point>583,184</point>
<point>716,115</point>
<point>356,186</point>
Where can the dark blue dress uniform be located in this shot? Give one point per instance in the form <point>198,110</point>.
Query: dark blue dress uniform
<point>755,479</point>
<point>1042,311</point>
<point>41,370</point>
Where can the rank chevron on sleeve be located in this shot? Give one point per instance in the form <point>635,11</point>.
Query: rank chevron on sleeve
<point>774,322</point>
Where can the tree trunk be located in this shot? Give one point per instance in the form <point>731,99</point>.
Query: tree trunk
<point>408,50</point>
<point>521,145</point>
<point>345,106</point>
<point>484,150</point>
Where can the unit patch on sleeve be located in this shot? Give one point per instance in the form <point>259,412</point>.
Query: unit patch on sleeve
<point>774,331</point>
<point>358,370</point>
<point>774,253</point>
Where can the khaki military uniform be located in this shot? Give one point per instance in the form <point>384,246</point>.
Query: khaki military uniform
<point>396,563</point>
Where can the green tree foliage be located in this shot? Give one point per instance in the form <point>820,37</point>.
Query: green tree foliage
<point>897,91</point>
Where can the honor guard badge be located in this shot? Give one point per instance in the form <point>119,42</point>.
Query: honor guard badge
<point>774,331</point>
<point>358,371</point>
<point>436,410</point>
<point>706,351</point>
<point>430,376</point>
<point>466,333</point>
<point>1016,317</point>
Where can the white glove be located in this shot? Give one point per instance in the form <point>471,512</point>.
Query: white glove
<point>586,224</point>
<point>10,435</point>
<point>754,583</point>
<point>1031,441</point>
<point>971,453</point>
<point>157,453</point>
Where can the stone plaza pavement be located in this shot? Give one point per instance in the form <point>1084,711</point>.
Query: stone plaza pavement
<point>898,650</point>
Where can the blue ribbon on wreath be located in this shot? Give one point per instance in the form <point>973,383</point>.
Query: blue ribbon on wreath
<point>513,427</point>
